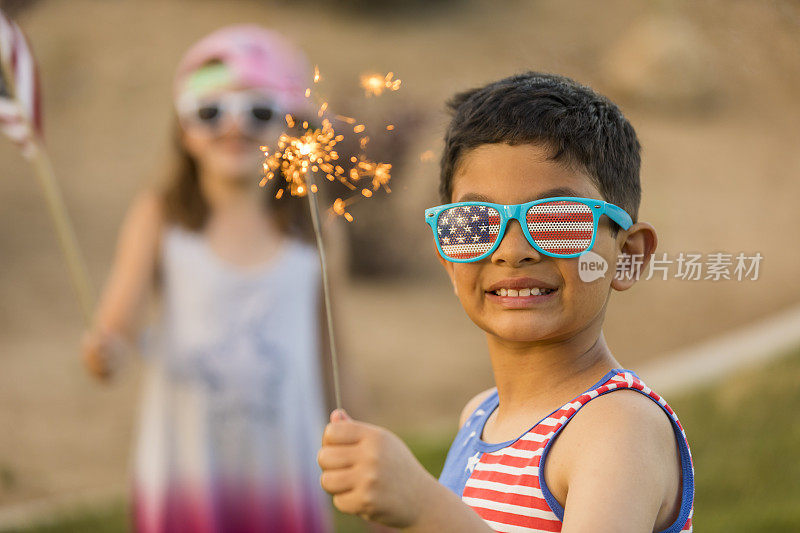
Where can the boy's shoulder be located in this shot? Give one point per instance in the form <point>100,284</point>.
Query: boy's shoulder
<point>473,404</point>
<point>623,433</point>
<point>622,415</point>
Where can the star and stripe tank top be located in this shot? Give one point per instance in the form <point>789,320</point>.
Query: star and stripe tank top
<point>501,482</point>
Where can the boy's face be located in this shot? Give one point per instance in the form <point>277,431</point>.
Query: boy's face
<point>506,174</point>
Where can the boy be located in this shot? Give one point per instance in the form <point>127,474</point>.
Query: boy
<point>548,449</point>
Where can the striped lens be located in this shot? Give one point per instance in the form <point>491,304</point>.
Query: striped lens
<point>561,227</point>
<point>468,231</point>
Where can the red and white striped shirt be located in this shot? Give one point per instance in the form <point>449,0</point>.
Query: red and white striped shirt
<point>501,481</point>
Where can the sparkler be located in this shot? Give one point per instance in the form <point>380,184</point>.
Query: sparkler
<point>375,84</point>
<point>298,158</point>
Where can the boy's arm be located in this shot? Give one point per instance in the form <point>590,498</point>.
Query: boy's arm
<point>619,468</point>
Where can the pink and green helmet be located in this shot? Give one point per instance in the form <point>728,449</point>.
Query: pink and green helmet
<point>249,57</point>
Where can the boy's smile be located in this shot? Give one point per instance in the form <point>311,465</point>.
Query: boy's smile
<point>516,293</point>
<point>520,293</point>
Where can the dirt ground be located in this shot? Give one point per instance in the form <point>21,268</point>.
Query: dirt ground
<point>720,174</point>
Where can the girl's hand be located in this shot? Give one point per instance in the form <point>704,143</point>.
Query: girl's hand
<point>100,353</point>
<point>371,473</point>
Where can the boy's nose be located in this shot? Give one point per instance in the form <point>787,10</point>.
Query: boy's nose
<point>514,248</point>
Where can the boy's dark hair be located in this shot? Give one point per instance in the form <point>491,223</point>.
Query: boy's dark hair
<point>583,129</point>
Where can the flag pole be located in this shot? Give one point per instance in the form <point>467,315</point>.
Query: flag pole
<point>64,230</point>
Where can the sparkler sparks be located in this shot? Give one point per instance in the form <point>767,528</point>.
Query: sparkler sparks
<point>375,84</point>
<point>299,156</point>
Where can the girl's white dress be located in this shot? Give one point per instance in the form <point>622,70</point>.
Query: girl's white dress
<point>232,413</point>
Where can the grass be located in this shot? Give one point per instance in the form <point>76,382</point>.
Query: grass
<point>744,432</point>
<point>430,450</point>
<point>111,519</point>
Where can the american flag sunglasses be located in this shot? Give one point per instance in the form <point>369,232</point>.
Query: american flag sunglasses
<point>562,226</point>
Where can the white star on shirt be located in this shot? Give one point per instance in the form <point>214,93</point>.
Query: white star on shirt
<point>473,461</point>
<point>469,438</point>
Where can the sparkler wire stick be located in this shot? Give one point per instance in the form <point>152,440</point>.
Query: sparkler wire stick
<point>314,208</point>
<point>297,158</point>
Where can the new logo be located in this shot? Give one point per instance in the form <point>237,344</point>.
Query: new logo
<point>591,266</point>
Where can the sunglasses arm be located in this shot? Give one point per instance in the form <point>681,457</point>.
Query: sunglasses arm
<point>618,215</point>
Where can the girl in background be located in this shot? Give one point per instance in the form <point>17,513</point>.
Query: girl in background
<point>233,406</point>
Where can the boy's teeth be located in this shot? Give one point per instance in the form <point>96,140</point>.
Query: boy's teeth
<point>535,291</point>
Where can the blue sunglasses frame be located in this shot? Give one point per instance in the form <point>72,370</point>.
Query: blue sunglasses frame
<point>519,213</point>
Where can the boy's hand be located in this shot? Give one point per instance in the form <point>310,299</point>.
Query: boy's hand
<point>371,473</point>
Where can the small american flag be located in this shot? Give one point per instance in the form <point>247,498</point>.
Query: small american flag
<point>466,232</point>
<point>20,109</point>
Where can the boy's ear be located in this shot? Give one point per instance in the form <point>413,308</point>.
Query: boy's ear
<point>448,267</point>
<point>638,243</point>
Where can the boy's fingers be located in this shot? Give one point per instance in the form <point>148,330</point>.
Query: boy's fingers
<point>333,457</point>
<point>337,481</point>
<point>339,414</point>
<point>351,503</point>
<point>342,432</point>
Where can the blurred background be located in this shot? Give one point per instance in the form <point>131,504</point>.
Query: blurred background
<point>711,87</point>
